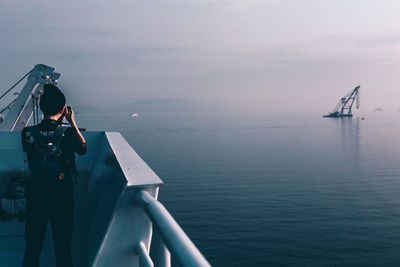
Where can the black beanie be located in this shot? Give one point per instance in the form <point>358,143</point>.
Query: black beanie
<point>52,100</point>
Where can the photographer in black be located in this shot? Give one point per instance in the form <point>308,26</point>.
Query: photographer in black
<point>50,149</point>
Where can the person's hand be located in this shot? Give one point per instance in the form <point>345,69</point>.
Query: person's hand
<point>69,114</point>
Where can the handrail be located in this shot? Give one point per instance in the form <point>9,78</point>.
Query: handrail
<point>178,243</point>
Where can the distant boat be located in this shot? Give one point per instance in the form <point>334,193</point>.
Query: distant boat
<point>379,109</point>
<point>134,115</point>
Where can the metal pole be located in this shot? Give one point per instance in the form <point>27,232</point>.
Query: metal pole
<point>144,257</point>
<point>159,252</point>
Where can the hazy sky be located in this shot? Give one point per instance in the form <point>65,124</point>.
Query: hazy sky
<point>262,55</point>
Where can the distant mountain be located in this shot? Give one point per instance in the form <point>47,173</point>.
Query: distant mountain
<point>167,105</point>
<point>79,109</point>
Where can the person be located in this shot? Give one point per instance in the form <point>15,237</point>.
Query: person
<point>50,149</point>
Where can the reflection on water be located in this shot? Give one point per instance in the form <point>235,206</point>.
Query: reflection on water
<point>350,131</point>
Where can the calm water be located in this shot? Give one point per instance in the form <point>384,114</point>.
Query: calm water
<point>263,190</point>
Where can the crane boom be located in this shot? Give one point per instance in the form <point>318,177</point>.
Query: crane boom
<point>343,108</point>
<point>22,108</point>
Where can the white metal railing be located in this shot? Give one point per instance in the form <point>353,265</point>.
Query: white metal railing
<point>177,242</point>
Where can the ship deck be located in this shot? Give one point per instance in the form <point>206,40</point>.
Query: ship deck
<point>109,174</point>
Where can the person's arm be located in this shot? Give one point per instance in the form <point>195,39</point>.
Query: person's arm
<point>70,116</point>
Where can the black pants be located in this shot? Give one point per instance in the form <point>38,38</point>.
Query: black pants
<point>54,204</point>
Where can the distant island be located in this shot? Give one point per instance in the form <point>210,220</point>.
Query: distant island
<point>154,105</point>
<point>79,109</point>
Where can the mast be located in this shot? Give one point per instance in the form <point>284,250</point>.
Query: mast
<point>21,109</point>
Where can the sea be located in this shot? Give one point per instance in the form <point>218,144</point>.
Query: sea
<point>275,190</point>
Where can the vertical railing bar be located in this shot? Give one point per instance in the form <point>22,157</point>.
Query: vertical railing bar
<point>144,257</point>
<point>159,251</point>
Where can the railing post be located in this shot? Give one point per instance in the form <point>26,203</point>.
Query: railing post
<point>159,251</point>
<point>144,257</point>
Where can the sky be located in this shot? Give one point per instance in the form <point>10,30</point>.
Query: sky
<point>256,55</point>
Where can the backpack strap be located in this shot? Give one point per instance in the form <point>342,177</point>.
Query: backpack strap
<point>58,134</point>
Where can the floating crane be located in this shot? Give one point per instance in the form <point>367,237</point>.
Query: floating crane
<point>343,108</point>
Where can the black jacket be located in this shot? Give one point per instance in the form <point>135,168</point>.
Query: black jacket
<point>69,145</point>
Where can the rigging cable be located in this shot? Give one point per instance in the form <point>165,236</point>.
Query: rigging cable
<point>8,106</point>
<point>12,87</point>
